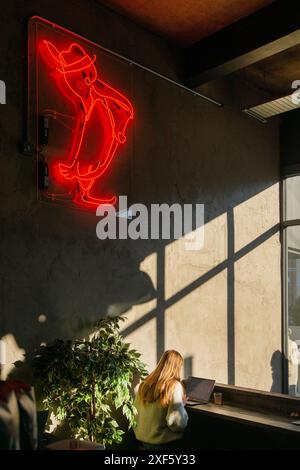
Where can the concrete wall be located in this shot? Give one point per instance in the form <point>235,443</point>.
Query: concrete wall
<point>220,306</point>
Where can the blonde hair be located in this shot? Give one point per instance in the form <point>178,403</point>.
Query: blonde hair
<point>161,382</point>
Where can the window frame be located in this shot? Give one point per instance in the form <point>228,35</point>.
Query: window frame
<point>284,225</point>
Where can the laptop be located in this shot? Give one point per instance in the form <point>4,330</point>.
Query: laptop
<point>199,390</point>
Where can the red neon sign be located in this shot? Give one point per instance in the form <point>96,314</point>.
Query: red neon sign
<point>95,102</point>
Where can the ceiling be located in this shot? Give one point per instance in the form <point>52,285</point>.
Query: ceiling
<point>276,73</point>
<point>185,21</point>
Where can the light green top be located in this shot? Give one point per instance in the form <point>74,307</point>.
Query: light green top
<point>158,425</point>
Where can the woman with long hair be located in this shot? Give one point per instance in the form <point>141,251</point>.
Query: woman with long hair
<point>160,403</point>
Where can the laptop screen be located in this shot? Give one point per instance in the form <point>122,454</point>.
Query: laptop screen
<point>199,389</point>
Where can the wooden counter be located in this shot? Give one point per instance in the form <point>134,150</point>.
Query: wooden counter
<point>246,419</point>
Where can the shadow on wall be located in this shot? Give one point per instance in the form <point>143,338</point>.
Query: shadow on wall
<point>236,161</point>
<point>228,265</point>
<point>188,366</point>
<point>81,284</point>
<point>58,280</point>
<point>276,368</point>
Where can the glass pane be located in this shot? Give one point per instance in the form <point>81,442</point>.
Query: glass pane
<point>293,342</point>
<point>293,198</point>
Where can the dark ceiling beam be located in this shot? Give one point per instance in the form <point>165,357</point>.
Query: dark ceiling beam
<point>267,32</point>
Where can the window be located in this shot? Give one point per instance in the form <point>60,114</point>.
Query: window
<point>291,216</point>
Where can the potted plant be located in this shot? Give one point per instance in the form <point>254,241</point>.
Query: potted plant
<point>85,381</point>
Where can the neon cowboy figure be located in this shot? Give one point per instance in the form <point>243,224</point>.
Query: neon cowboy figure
<point>94,100</point>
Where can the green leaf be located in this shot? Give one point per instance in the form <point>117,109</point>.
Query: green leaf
<point>85,380</point>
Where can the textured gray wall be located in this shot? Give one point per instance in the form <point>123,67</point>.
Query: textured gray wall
<point>220,306</point>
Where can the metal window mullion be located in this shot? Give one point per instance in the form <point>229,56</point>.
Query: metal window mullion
<point>290,223</point>
<point>284,271</point>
